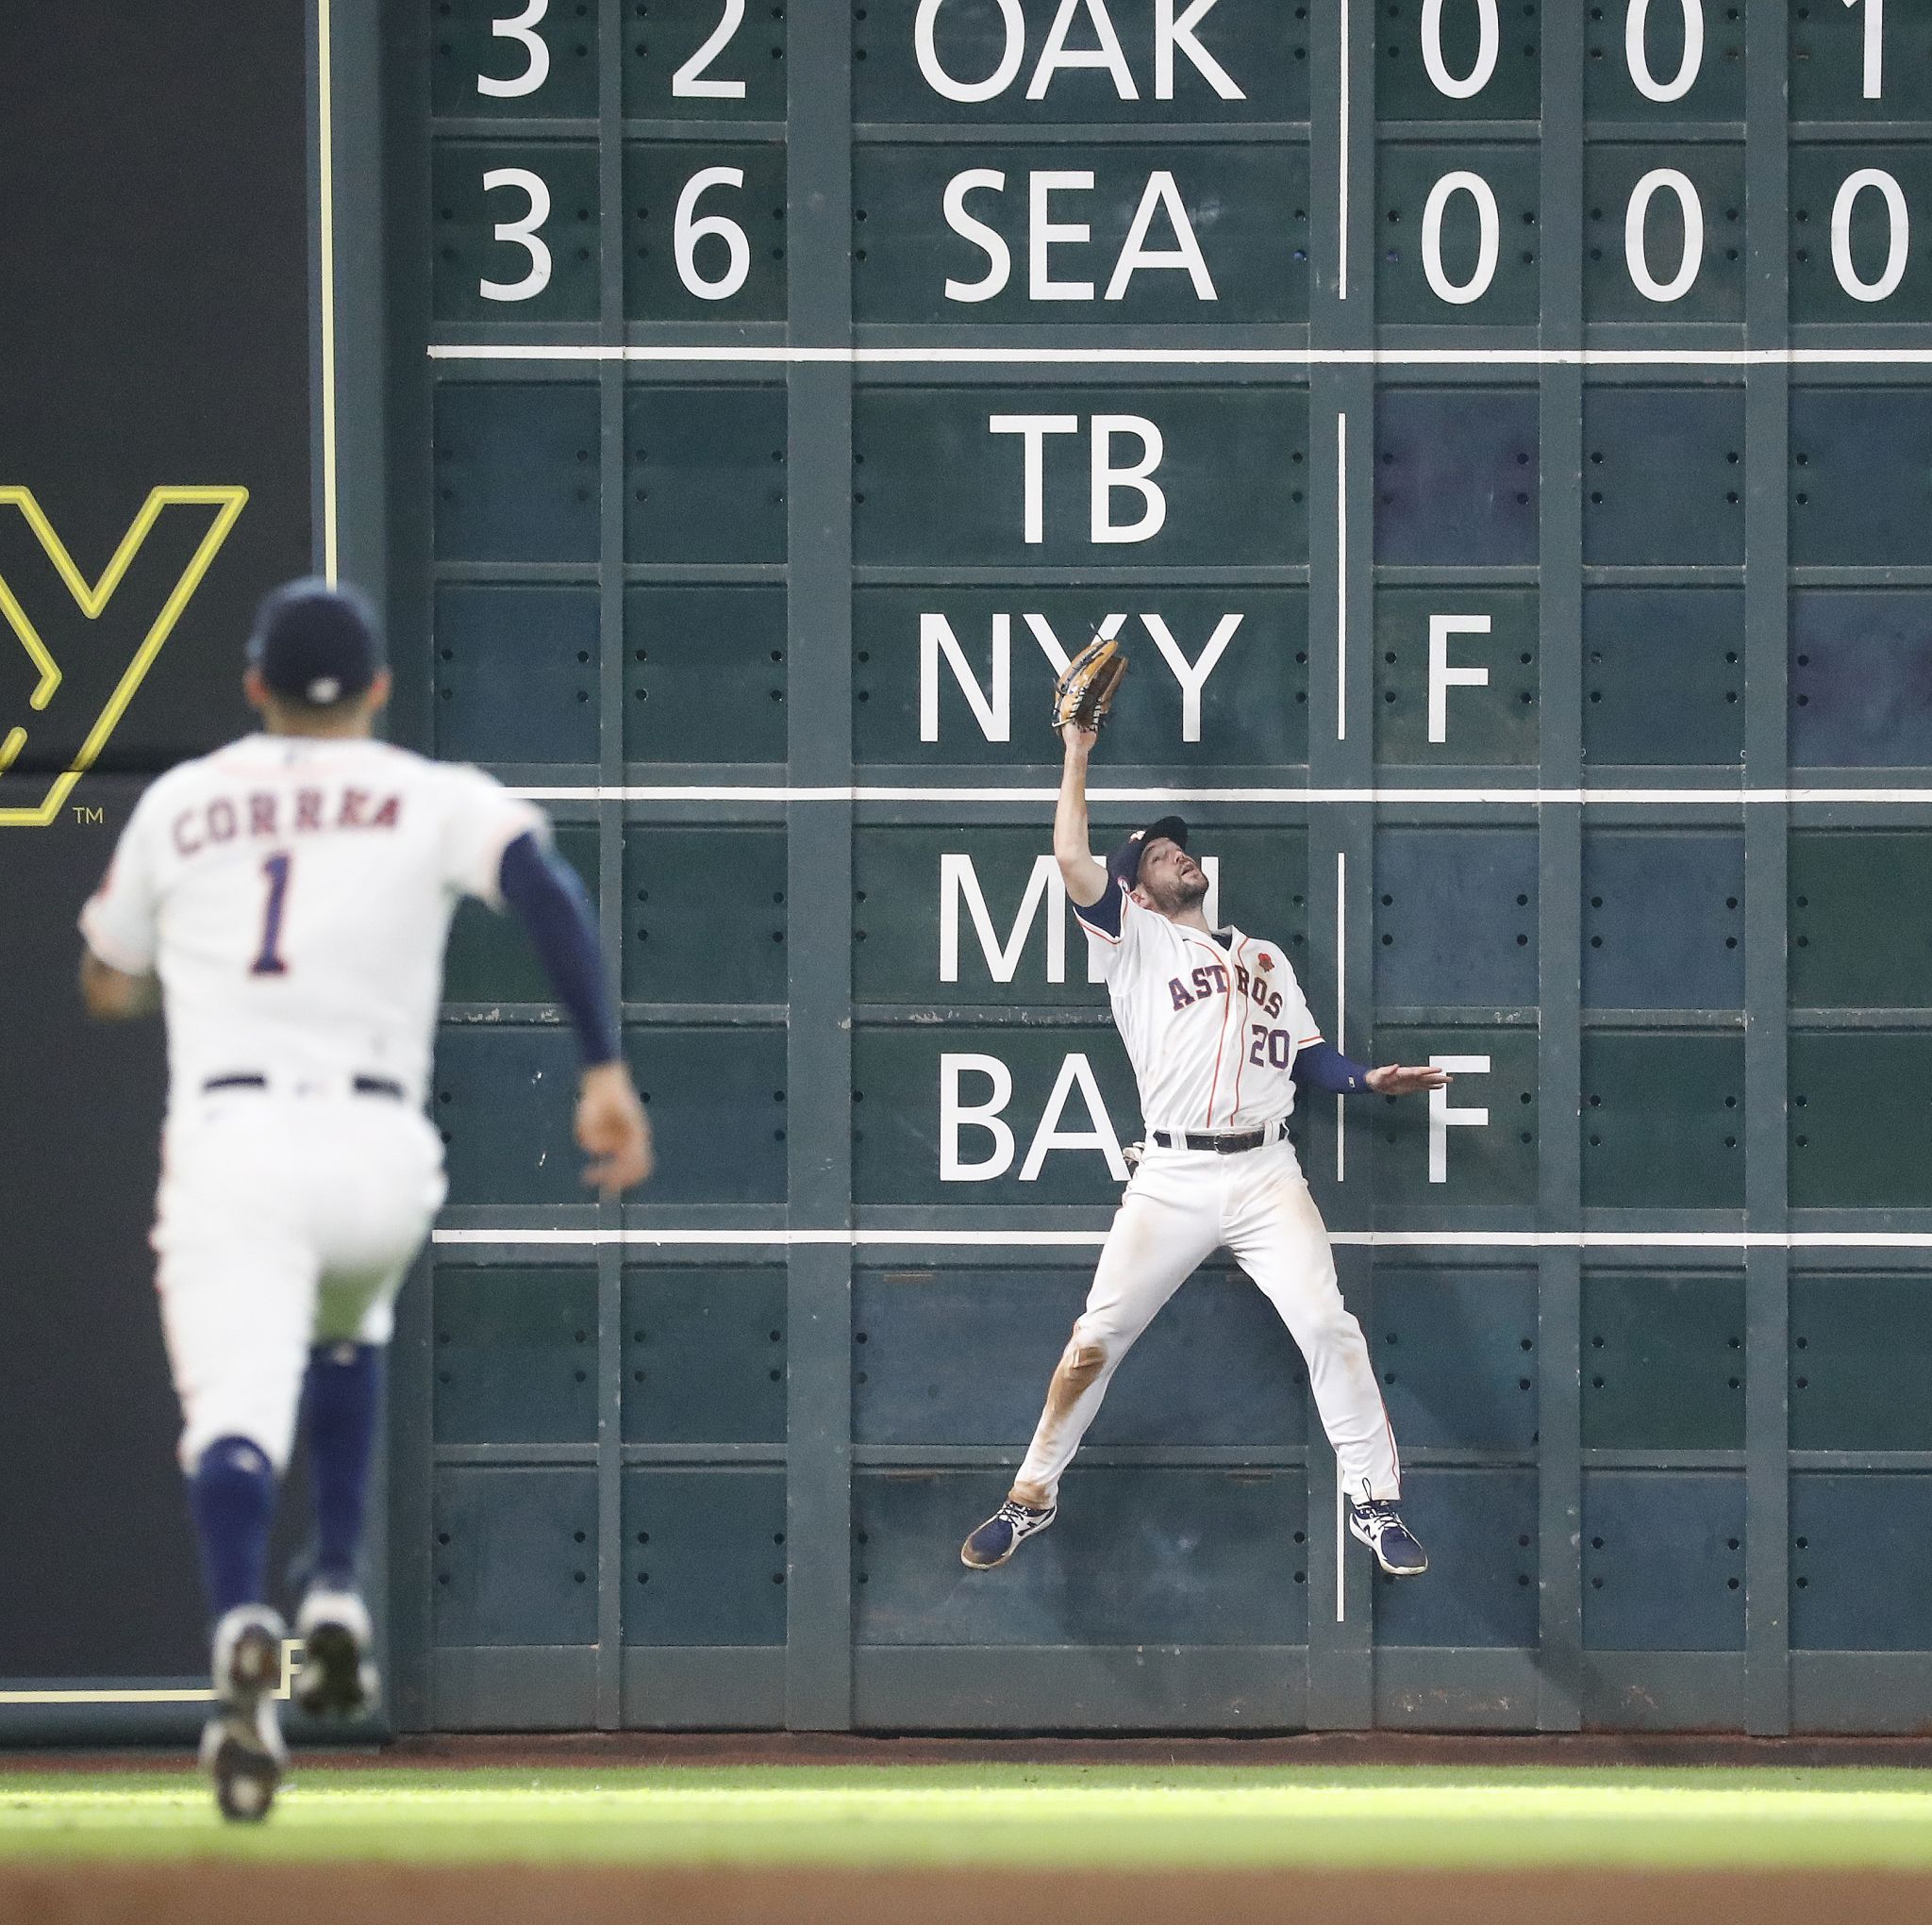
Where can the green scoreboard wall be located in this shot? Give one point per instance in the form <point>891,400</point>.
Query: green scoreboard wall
<point>1502,436</point>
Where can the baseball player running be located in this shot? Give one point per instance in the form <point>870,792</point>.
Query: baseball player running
<point>287,900</point>
<point>1219,1036</point>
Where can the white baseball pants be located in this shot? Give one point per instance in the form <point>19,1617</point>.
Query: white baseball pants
<point>1180,1207</point>
<point>282,1221</point>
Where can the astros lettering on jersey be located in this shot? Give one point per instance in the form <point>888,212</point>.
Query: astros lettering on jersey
<point>1211,1031</point>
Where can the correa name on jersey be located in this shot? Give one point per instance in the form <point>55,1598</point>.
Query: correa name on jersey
<point>259,816</point>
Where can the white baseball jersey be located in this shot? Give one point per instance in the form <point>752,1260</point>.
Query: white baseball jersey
<point>1211,1023</point>
<point>293,895</point>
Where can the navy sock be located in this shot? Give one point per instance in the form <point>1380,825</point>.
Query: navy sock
<point>345,1404</point>
<point>232,1494</point>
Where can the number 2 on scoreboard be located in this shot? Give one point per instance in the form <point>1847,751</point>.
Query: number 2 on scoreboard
<point>269,962</point>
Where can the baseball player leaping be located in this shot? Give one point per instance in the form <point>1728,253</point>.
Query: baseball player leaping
<point>287,898</point>
<point>1219,1036</point>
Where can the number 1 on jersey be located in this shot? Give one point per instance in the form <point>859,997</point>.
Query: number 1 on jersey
<point>269,962</point>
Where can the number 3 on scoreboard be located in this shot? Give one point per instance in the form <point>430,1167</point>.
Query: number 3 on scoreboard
<point>268,962</point>
<point>522,234</point>
<point>521,27</point>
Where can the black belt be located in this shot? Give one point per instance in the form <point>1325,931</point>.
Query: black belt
<point>362,1085</point>
<point>1227,1143</point>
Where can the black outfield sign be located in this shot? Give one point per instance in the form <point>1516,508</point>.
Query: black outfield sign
<point>154,460</point>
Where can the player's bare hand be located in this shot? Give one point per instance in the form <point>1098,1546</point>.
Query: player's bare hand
<point>612,1130</point>
<point>1079,740</point>
<point>1397,1079</point>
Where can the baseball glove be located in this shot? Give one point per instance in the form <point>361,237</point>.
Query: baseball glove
<point>1085,692</point>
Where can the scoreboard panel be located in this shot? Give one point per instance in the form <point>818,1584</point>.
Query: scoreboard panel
<point>1501,436</point>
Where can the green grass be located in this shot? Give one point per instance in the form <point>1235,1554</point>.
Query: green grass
<point>1049,1815</point>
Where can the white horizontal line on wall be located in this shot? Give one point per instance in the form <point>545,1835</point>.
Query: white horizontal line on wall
<point>133,1694</point>
<point>1404,797</point>
<point>1091,1239</point>
<point>1200,357</point>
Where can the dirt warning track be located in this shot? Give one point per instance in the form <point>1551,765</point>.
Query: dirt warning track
<point>103,1894</point>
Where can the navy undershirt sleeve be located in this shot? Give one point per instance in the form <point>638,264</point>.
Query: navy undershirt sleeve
<point>1105,915</point>
<point>1321,1066</point>
<point>544,894</point>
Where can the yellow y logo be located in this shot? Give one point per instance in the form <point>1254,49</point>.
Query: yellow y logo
<point>92,599</point>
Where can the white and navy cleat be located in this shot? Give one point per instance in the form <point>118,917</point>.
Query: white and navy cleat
<point>241,1748</point>
<point>337,1676</point>
<point>1377,1523</point>
<point>1003,1533</point>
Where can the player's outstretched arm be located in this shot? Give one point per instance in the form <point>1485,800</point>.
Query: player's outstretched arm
<point>545,896</point>
<point>1321,1065</point>
<point>1085,878</point>
<point>1399,1079</point>
<point>113,996</point>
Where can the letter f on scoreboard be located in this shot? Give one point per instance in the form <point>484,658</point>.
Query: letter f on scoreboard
<point>111,692</point>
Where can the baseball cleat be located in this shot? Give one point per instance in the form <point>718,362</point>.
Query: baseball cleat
<point>1002,1534</point>
<point>241,1748</point>
<point>1378,1525</point>
<point>337,1676</point>
<point>244,1754</point>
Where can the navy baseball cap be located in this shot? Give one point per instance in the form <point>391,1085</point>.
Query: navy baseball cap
<point>315,644</point>
<point>1123,865</point>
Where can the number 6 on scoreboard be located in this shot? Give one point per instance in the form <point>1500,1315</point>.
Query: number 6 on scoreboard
<point>688,231</point>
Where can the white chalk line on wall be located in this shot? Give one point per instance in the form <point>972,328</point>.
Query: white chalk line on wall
<point>777,356</point>
<point>1092,1240</point>
<point>1445,796</point>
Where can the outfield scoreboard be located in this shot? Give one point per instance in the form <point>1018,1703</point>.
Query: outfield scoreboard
<point>1501,436</point>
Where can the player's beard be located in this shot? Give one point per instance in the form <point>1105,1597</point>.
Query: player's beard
<point>1183,893</point>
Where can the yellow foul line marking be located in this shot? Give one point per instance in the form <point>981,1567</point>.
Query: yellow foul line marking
<point>161,1695</point>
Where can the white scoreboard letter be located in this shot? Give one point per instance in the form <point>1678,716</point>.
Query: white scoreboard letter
<point>1108,477</point>
<point>959,881</point>
<point>1185,254</point>
<point>1442,1119</point>
<point>1441,676</point>
<point>1173,34</point>
<point>1042,232</point>
<point>993,709</point>
<point>1033,430</point>
<point>1192,678</point>
<point>1105,53</point>
<point>1075,1072</point>
<point>956,1116</point>
<point>943,83</point>
<point>999,258</point>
